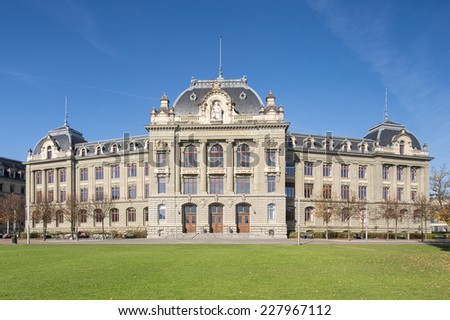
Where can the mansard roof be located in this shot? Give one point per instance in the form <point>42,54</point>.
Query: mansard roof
<point>65,137</point>
<point>384,132</point>
<point>246,100</point>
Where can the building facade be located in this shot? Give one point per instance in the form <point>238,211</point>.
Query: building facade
<point>219,161</point>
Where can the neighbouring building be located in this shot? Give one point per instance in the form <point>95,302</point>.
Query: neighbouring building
<point>220,161</point>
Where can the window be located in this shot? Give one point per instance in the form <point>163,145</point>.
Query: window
<point>83,216</point>
<point>344,215</point>
<point>131,214</point>
<point>114,148</point>
<point>83,152</point>
<point>345,192</point>
<point>309,214</point>
<point>362,172</point>
<point>413,194</point>
<point>326,169</point>
<point>115,192</point>
<point>190,185</point>
<point>49,152</point>
<point>190,157</point>
<point>363,148</point>
<point>115,171</point>
<point>162,212</point>
<point>114,215</point>
<point>161,184</point>
<point>62,175</point>
<point>146,214</point>
<point>84,174</point>
<point>49,194</point>
<point>62,195</point>
<point>290,167</point>
<point>243,185</point>
<point>84,194</point>
<point>98,150</point>
<point>146,169</point>
<point>290,214</point>
<point>215,185</point>
<point>328,145</point>
<point>51,176</point>
<point>414,174</point>
<point>59,217</point>
<point>362,192</point>
<point>309,168</point>
<point>327,191</point>
<point>98,216</point>
<point>132,191</point>
<point>400,194</point>
<point>216,156</point>
<point>132,170</point>
<point>402,147</point>
<point>99,173</point>
<point>271,184</point>
<point>38,196</point>
<point>271,211</point>
<point>243,156</point>
<point>39,177</point>
<point>385,172</point>
<point>309,190</point>
<point>161,159</point>
<point>1,187</point>
<point>132,146</point>
<point>290,190</point>
<point>400,173</point>
<point>271,158</point>
<point>98,193</point>
<point>147,191</point>
<point>386,193</point>
<point>344,170</point>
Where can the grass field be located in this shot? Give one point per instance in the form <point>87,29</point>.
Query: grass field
<point>224,272</point>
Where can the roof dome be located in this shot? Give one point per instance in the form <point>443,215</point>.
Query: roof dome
<point>65,138</point>
<point>246,100</point>
<point>387,131</point>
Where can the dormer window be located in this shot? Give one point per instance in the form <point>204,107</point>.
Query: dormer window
<point>132,146</point>
<point>402,147</point>
<point>308,144</point>
<point>114,148</point>
<point>2,172</point>
<point>49,152</point>
<point>346,146</point>
<point>98,150</point>
<point>12,173</point>
<point>328,145</point>
<point>83,152</point>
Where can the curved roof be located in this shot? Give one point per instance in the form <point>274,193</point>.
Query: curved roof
<point>385,131</point>
<point>246,100</point>
<point>64,136</point>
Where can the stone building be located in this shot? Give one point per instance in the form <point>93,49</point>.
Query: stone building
<point>219,161</point>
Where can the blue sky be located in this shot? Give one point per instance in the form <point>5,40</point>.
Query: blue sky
<point>328,63</point>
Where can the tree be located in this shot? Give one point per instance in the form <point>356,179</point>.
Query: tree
<point>72,209</point>
<point>12,209</point>
<point>392,210</point>
<point>440,185</point>
<point>351,207</point>
<point>424,211</point>
<point>325,209</point>
<point>43,211</point>
<point>101,209</point>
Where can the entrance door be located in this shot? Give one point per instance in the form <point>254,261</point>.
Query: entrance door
<point>190,218</point>
<point>216,218</point>
<point>243,218</point>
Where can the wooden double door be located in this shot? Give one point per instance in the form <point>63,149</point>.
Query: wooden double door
<point>216,218</point>
<point>243,218</point>
<point>190,218</point>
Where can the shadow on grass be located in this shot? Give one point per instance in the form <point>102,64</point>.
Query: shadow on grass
<point>444,245</point>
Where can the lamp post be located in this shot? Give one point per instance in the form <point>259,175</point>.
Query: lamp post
<point>298,221</point>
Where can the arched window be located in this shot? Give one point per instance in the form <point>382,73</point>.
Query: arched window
<point>132,146</point>
<point>328,145</point>
<point>216,156</point>
<point>308,143</point>
<point>114,215</point>
<point>145,213</point>
<point>82,216</point>
<point>309,214</point>
<point>271,211</point>
<point>114,148</point>
<point>83,152</point>
<point>162,212</point>
<point>402,147</point>
<point>190,157</point>
<point>243,156</point>
<point>98,150</point>
<point>49,152</point>
<point>344,215</point>
<point>131,215</point>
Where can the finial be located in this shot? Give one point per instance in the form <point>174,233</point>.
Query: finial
<point>66,114</point>
<point>385,105</point>
<point>220,58</point>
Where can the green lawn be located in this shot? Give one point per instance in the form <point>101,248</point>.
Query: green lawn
<point>224,271</point>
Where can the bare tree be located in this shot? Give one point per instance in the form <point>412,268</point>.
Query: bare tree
<point>101,209</point>
<point>389,210</point>
<point>72,210</point>
<point>325,209</point>
<point>12,209</point>
<point>443,214</point>
<point>351,207</point>
<point>43,211</point>
<point>440,185</point>
<point>424,210</point>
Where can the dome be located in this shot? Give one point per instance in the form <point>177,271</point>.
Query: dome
<point>387,131</point>
<point>64,137</point>
<point>246,100</point>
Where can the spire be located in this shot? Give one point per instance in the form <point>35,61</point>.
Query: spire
<point>220,58</point>
<point>66,115</point>
<point>386,118</point>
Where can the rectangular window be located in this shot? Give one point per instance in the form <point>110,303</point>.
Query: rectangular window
<point>271,158</point>
<point>146,169</point>
<point>386,192</point>
<point>12,188</point>
<point>216,185</point>
<point>362,192</point>
<point>115,171</point>
<point>38,196</point>
<point>50,195</point>
<point>161,184</point>
<point>83,217</point>
<point>132,191</point>
<point>271,184</point>
<point>51,176</point>
<point>309,190</point>
<point>39,177</point>
<point>115,192</point>
<point>309,166</point>
<point>161,159</point>
<point>190,185</point>
<point>84,194</point>
<point>99,173</point>
<point>62,175</point>
<point>414,174</point>
<point>362,172</point>
<point>98,193</point>
<point>413,195</point>
<point>327,191</point>
<point>60,218</point>
<point>327,169</point>
<point>132,170</point>
<point>399,173</point>
<point>243,185</point>
<point>290,190</point>
<point>344,170</point>
<point>1,186</point>
<point>290,167</point>
<point>400,194</point>
<point>385,172</point>
<point>84,174</point>
<point>114,215</point>
<point>62,195</point>
<point>147,191</point>
<point>345,192</point>
<point>131,214</point>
